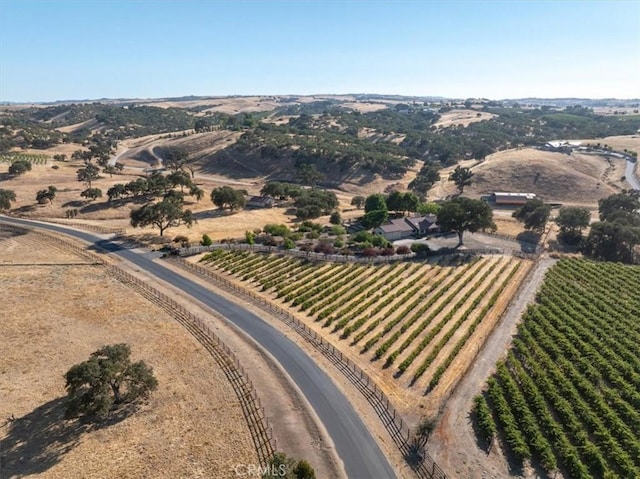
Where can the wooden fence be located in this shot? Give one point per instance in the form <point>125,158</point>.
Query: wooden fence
<point>397,428</point>
<point>261,431</point>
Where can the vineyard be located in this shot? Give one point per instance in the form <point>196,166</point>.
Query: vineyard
<point>409,319</point>
<point>567,397</point>
<point>32,158</point>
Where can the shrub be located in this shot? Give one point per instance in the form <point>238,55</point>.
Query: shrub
<point>370,252</point>
<point>403,250</point>
<point>183,240</point>
<point>288,244</point>
<point>276,230</point>
<point>387,252</point>
<point>338,243</point>
<point>206,240</point>
<point>380,241</point>
<point>335,218</point>
<point>420,248</point>
<point>325,247</point>
<point>250,237</point>
<point>297,236</point>
<point>338,230</point>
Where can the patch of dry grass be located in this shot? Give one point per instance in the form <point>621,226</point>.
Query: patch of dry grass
<point>54,317</point>
<point>462,118</point>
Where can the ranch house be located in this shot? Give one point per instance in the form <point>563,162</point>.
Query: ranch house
<point>408,227</point>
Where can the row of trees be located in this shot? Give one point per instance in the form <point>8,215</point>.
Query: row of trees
<point>616,236</point>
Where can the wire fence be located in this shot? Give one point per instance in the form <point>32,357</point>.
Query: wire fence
<point>253,410</point>
<point>261,430</point>
<point>84,226</point>
<point>397,428</point>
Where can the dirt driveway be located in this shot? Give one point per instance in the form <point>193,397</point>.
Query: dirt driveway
<point>453,444</point>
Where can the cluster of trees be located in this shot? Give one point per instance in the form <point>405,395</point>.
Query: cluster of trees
<point>48,195</point>
<point>167,213</point>
<point>428,175</point>
<point>19,167</point>
<point>107,381</point>
<point>572,220</point>
<point>37,127</point>
<point>616,236</point>
<point>376,211</point>
<point>227,197</point>
<point>377,206</point>
<point>157,185</point>
<point>534,214</point>
<point>310,203</point>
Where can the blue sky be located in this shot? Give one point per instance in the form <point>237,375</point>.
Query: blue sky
<point>89,49</point>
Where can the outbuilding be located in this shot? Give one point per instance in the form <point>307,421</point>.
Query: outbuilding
<point>503,198</point>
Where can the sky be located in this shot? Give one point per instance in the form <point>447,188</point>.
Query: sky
<point>89,49</point>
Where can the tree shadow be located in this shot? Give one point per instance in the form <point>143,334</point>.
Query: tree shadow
<point>24,209</point>
<point>216,213</point>
<point>74,204</point>
<point>39,440</point>
<point>8,233</point>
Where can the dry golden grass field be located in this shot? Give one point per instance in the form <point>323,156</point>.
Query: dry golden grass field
<point>579,179</point>
<point>56,310</point>
<point>462,118</point>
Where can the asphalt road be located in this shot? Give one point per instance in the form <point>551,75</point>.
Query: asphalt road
<point>354,443</point>
<point>631,177</point>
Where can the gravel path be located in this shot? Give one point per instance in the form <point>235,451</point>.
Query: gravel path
<point>453,444</point>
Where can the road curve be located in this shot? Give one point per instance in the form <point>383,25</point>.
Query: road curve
<point>631,177</point>
<point>354,443</point>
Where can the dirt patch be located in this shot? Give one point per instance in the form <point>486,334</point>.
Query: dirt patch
<point>462,118</point>
<point>453,443</point>
<point>54,316</point>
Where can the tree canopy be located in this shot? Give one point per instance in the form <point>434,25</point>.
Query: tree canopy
<point>375,202</point>
<point>534,214</point>
<point>617,235</point>
<point>168,213</point>
<point>88,174</point>
<point>107,380</point>
<point>572,220</point>
<point>227,197</point>
<point>49,195</point>
<point>461,177</point>
<point>175,158</point>
<point>6,198</point>
<point>19,167</point>
<point>358,201</point>
<point>465,214</point>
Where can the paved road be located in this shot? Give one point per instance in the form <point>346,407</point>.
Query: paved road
<point>354,443</point>
<point>630,175</point>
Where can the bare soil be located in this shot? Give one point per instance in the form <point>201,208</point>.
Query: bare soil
<point>462,118</point>
<point>453,444</point>
<point>54,314</point>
